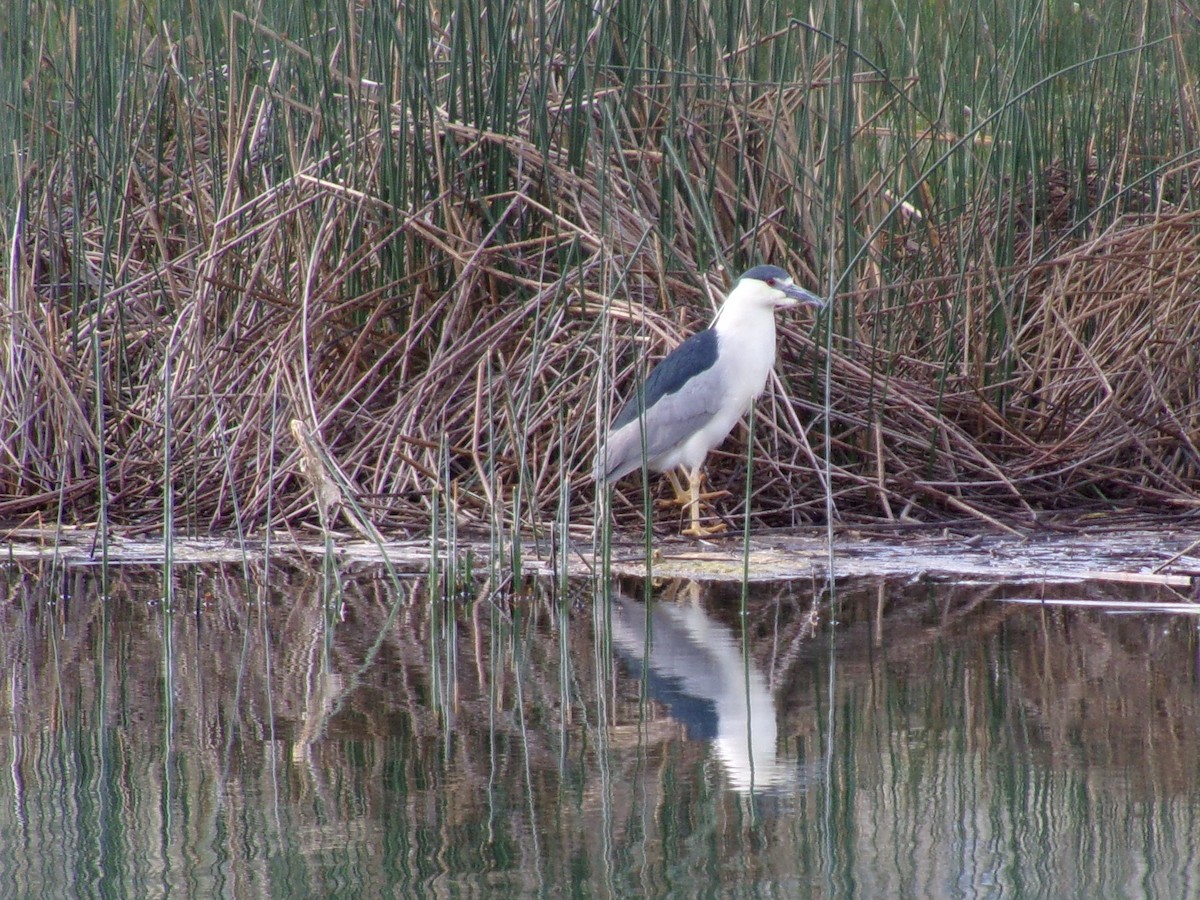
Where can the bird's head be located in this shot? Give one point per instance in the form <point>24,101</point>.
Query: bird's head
<point>772,286</point>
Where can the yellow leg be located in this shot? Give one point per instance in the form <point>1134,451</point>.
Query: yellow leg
<point>683,496</point>
<point>695,529</point>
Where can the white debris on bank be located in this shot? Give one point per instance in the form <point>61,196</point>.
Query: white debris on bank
<point>1170,557</point>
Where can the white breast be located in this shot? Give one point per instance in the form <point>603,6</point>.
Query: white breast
<point>746,337</point>
<point>745,355</point>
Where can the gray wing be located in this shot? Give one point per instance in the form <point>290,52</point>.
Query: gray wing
<point>670,421</point>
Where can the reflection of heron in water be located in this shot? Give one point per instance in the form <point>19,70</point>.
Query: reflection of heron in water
<point>693,664</point>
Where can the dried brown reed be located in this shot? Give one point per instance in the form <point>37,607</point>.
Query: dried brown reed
<point>472,342</point>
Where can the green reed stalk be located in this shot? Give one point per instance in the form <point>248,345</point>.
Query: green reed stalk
<point>563,560</point>
<point>474,155</point>
<point>435,503</point>
<point>168,489</point>
<point>748,497</point>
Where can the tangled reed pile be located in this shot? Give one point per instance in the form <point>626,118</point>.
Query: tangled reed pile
<point>451,295</point>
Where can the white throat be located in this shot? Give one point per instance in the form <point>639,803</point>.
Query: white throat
<point>746,333</point>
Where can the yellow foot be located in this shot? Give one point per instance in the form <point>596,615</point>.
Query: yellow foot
<point>683,495</point>
<point>686,494</point>
<point>696,530</point>
<point>686,499</point>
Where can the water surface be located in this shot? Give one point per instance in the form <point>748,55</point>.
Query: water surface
<point>307,734</point>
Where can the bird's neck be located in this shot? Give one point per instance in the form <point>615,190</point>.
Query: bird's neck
<point>746,334</point>
<point>751,319</point>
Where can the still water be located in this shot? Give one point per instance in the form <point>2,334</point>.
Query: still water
<point>307,734</point>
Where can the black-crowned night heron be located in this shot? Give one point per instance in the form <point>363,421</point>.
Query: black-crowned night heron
<point>695,396</point>
<point>692,663</point>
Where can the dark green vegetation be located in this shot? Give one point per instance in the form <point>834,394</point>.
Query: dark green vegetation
<point>440,234</point>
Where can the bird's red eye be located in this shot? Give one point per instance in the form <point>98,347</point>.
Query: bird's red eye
<point>771,282</point>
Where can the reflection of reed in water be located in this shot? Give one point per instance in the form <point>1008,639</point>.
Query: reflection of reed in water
<point>693,665</point>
